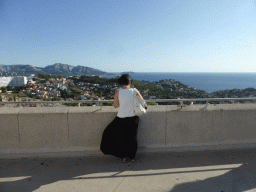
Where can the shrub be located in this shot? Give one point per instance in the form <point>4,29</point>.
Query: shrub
<point>151,103</point>
<point>22,95</point>
<point>108,104</point>
<point>86,104</point>
<point>71,104</point>
<point>56,99</point>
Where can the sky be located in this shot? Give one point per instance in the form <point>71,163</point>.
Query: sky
<point>133,35</point>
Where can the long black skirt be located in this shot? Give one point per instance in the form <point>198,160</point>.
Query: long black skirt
<point>120,137</point>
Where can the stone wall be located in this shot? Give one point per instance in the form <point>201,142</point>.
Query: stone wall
<point>77,131</point>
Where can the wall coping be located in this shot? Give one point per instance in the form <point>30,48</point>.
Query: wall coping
<point>111,109</point>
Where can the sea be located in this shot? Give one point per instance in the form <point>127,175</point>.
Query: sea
<point>209,82</point>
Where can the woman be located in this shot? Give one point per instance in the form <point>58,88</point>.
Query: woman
<point>120,136</point>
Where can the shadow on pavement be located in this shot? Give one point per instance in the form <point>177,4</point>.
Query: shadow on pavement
<point>239,179</point>
<point>188,171</point>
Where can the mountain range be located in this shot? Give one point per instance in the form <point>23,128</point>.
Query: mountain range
<point>55,69</point>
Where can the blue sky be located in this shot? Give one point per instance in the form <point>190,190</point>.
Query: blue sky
<point>134,35</point>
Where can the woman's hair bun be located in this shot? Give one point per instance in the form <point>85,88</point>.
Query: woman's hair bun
<point>124,79</point>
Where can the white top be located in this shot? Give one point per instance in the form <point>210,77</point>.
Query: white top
<point>126,99</point>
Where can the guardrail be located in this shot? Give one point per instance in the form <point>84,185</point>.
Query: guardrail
<point>99,102</point>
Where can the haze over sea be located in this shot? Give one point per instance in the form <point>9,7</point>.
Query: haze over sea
<point>209,82</point>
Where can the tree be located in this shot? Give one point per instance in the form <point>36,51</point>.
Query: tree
<point>56,99</point>
<point>4,89</point>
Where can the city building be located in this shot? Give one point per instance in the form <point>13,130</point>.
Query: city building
<point>13,81</point>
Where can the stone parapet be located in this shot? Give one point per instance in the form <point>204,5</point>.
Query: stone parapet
<point>77,131</point>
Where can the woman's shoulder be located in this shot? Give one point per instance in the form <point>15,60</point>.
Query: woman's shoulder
<point>136,90</point>
<point>118,89</point>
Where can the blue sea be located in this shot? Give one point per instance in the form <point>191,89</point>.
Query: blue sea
<point>209,82</point>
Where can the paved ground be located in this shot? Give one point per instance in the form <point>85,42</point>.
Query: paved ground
<point>175,172</point>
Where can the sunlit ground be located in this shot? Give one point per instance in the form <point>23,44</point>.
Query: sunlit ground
<point>175,172</point>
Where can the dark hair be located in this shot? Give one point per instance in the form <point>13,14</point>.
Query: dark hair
<point>124,79</point>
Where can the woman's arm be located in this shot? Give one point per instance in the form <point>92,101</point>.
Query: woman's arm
<point>116,99</point>
<point>139,95</point>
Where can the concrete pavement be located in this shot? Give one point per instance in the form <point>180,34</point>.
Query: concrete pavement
<point>216,171</point>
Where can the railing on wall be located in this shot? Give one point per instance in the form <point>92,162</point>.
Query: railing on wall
<point>100,102</point>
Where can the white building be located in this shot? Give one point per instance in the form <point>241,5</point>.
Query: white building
<point>63,87</point>
<point>13,81</point>
<point>56,86</point>
<point>83,97</point>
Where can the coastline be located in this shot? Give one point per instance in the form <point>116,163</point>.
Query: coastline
<point>209,82</point>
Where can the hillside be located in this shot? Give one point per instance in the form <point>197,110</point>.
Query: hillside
<point>55,69</point>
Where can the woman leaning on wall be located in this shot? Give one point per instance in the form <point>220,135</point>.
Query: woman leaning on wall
<point>120,136</point>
